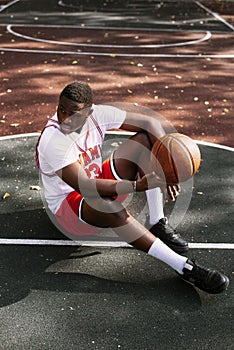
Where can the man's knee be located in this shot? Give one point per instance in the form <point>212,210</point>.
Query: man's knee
<point>143,138</point>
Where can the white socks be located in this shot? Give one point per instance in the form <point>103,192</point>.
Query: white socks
<point>158,249</point>
<point>155,204</point>
<point>162,252</point>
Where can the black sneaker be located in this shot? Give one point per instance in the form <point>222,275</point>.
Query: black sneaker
<point>169,236</point>
<point>208,280</point>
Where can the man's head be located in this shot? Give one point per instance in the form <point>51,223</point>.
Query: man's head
<point>79,92</point>
<point>74,106</point>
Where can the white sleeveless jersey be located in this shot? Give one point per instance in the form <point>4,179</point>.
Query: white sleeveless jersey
<point>56,150</point>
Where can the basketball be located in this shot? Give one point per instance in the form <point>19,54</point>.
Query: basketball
<point>175,158</point>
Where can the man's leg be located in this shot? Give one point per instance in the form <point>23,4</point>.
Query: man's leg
<point>113,214</point>
<point>132,158</point>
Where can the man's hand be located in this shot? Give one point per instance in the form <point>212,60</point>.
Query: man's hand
<point>148,181</point>
<point>152,180</point>
<point>172,191</point>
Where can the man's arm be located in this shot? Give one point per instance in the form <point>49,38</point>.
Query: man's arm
<point>137,122</point>
<point>75,176</point>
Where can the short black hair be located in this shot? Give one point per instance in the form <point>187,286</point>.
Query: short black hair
<point>78,91</point>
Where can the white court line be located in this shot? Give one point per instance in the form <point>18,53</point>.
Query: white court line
<point>120,133</point>
<point>216,15</point>
<point>111,54</point>
<point>206,37</point>
<point>17,136</point>
<point>73,26</point>
<point>3,7</point>
<point>105,244</point>
<point>215,145</point>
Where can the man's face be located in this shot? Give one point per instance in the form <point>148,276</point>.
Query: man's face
<point>72,115</point>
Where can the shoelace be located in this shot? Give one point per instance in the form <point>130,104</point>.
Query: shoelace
<point>199,274</point>
<point>168,229</point>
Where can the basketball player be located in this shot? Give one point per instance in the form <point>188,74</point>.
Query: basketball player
<point>85,194</point>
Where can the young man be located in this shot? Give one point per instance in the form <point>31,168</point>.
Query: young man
<point>85,194</point>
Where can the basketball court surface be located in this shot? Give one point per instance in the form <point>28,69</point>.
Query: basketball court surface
<point>56,293</point>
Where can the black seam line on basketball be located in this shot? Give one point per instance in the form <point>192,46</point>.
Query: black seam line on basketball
<point>192,160</point>
<point>190,154</point>
<point>172,160</point>
<point>160,146</point>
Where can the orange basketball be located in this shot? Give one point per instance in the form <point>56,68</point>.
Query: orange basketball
<point>175,157</point>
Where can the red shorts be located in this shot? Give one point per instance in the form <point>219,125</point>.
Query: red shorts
<point>69,213</point>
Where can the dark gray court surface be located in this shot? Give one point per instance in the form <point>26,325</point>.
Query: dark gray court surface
<point>76,297</point>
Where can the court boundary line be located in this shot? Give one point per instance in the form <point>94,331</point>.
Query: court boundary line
<point>120,133</point>
<point>99,243</point>
<point>103,28</point>
<point>3,7</point>
<point>65,43</point>
<point>116,54</point>
<point>216,15</point>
